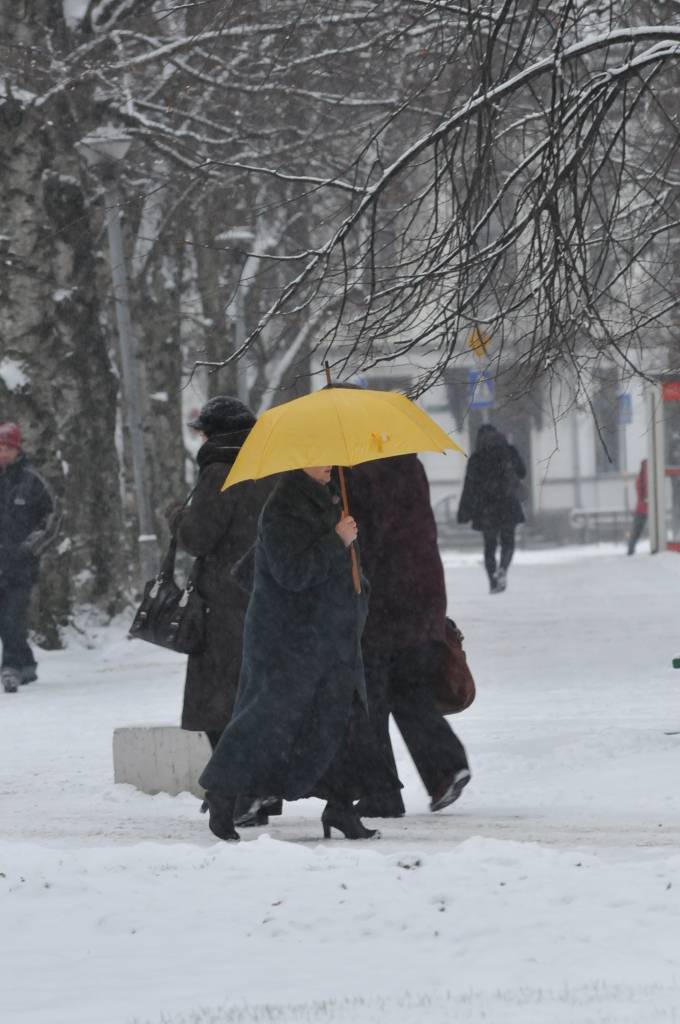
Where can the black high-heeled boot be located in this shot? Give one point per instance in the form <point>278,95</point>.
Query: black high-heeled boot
<point>347,821</point>
<point>221,820</point>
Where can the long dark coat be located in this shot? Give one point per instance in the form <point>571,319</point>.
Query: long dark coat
<point>390,500</point>
<point>302,676</point>
<point>488,499</point>
<point>217,528</point>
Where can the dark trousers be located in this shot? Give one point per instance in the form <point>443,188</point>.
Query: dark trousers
<point>398,682</point>
<point>506,536</point>
<point>16,651</point>
<point>639,523</point>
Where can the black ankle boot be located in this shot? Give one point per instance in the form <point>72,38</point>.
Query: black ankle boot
<point>254,817</point>
<point>347,821</point>
<point>221,821</point>
<point>450,789</point>
<point>250,813</point>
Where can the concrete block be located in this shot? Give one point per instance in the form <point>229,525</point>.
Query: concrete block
<point>160,758</point>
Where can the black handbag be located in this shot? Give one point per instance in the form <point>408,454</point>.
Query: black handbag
<point>169,615</point>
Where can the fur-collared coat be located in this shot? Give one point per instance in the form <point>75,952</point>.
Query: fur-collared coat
<point>302,680</point>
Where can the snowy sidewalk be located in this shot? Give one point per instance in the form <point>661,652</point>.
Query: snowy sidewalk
<point>550,893</point>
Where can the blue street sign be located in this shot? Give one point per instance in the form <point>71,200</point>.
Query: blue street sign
<point>625,409</point>
<point>481,390</point>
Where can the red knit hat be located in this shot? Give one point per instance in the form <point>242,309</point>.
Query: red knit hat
<point>10,435</point>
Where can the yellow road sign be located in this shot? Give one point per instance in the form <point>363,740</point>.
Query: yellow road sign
<point>478,343</point>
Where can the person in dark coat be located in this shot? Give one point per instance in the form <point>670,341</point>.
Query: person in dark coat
<point>28,524</point>
<point>390,498</point>
<point>491,499</point>
<point>641,508</point>
<point>217,527</point>
<point>300,726</point>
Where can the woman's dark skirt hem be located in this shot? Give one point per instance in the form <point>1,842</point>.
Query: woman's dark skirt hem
<point>357,769</point>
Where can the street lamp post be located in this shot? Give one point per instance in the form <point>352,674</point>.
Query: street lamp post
<point>239,338</point>
<point>241,238</point>
<point>103,150</point>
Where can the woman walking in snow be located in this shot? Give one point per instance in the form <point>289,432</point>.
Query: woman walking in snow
<point>406,627</point>
<point>217,528</point>
<point>491,499</point>
<point>300,726</point>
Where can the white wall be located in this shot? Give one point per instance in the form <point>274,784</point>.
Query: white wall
<point>562,455</point>
<point>445,472</point>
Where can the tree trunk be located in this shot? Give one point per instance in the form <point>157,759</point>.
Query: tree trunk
<point>57,380</point>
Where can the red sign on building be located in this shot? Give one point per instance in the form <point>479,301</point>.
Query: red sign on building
<point>670,390</point>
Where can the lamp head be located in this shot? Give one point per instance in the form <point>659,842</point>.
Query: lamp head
<point>238,239</point>
<point>104,147</point>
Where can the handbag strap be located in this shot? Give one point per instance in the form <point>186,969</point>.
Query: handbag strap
<point>167,569</point>
<point>190,495</point>
<point>191,578</point>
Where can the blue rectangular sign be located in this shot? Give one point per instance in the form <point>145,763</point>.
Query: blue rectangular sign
<point>625,406</point>
<point>481,390</point>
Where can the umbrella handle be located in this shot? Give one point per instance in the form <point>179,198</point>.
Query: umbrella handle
<point>356,578</point>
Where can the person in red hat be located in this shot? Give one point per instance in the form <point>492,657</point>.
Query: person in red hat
<point>27,525</point>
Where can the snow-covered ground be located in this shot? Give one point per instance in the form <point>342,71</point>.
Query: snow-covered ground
<point>550,893</point>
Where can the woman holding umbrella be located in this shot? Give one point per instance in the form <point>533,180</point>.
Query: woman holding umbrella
<point>300,726</point>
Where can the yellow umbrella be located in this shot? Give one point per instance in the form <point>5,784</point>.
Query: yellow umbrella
<point>336,427</point>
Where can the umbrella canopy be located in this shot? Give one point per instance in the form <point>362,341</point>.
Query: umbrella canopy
<point>336,427</point>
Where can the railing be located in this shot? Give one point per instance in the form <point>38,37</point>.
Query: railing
<point>595,524</point>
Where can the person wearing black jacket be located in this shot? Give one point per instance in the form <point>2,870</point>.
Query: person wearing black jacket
<point>217,527</point>
<point>300,726</point>
<point>491,500</point>
<point>28,524</point>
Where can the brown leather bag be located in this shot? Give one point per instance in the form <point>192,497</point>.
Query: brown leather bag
<point>453,685</point>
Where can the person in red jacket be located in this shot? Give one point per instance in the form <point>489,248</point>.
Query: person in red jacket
<point>641,508</point>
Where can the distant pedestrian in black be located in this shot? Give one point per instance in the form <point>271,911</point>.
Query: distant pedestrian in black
<point>28,524</point>
<point>217,528</point>
<point>300,726</point>
<point>406,625</point>
<point>641,508</point>
<point>491,500</point>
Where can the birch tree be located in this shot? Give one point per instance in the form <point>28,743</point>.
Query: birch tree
<point>58,381</point>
